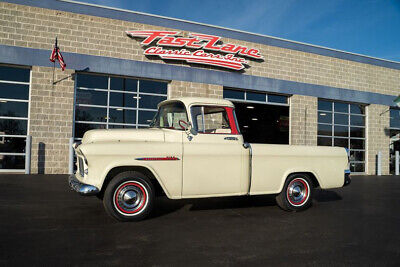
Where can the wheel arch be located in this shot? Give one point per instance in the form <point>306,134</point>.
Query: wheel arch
<point>158,187</point>
<point>310,174</point>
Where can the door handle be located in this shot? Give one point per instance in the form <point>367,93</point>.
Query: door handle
<point>231,138</point>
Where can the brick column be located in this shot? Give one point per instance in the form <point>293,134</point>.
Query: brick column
<point>181,89</point>
<point>303,120</point>
<point>51,110</point>
<point>378,139</point>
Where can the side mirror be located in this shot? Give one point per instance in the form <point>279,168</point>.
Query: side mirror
<point>187,127</point>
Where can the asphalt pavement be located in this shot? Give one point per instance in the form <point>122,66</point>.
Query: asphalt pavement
<point>43,223</point>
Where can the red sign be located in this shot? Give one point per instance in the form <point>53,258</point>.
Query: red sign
<point>230,56</point>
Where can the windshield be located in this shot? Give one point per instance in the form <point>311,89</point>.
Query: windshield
<point>169,115</point>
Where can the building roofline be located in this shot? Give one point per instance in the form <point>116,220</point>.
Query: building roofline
<point>225,28</point>
<point>162,21</point>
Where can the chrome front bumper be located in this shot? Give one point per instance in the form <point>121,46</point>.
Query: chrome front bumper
<point>81,188</point>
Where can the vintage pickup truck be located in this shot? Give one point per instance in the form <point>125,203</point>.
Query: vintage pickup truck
<point>194,149</point>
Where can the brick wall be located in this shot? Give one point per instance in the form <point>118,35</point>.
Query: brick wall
<point>378,139</point>
<point>303,120</point>
<point>180,88</point>
<point>51,111</point>
<point>36,28</point>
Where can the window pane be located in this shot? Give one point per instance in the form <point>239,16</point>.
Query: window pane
<point>344,134</point>
<point>394,118</point>
<point>341,107</point>
<point>12,144</point>
<point>149,101</point>
<point>341,131</point>
<point>324,105</point>
<point>277,99</point>
<point>145,117</point>
<point>91,114</point>
<point>13,109</point>
<point>14,91</point>
<point>13,127</point>
<point>123,84</point>
<point>235,94</point>
<point>14,74</point>
<point>91,97</point>
<point>357,132</point>
<point>324,141</point>
<point>357,155</point>
<point>356,109</point>
<point>256,97</point>
<point>357,167</point>
<point>357,120</point>
<point>341,119</point>
<point>356,144</point>
<point>342,142</point>
<point>324,117</point>
<point>120,115</point>
<point>92,81</point>
<point>81,128</point>
<point>12,162</point>
<point>153,87</point>
<point>324,129</point>
<point>123,100</point>
<point>214,120</point>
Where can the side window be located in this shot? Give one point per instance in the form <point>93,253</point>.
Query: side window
<point>211,120</point>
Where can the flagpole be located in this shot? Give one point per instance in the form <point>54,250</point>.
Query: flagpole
<point>54,63</point>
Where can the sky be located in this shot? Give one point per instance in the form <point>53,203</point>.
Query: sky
<point>368,27</point>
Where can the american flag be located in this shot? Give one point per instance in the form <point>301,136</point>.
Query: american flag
<point>56,55</point>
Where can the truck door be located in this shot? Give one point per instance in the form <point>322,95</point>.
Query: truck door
<point>213,158</point>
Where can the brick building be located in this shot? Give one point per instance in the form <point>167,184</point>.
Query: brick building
<point>294,93</point>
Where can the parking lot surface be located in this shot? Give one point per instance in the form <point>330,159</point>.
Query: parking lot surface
<point>43,223</point>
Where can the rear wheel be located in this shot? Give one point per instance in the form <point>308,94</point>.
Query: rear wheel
<point>296,194</point>
<point>129,196</point>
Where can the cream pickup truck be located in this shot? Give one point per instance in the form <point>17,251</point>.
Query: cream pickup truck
<point>194,149</point>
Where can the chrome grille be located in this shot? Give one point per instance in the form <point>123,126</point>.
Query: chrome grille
<point>80,166</point>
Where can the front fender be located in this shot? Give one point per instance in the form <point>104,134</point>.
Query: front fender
<point>136,165</point>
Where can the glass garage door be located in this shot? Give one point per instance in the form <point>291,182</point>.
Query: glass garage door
<point>14,106</point>
<point>343,124</point>
<point>105,102</point>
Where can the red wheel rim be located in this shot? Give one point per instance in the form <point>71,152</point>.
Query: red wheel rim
<point>130,198</point>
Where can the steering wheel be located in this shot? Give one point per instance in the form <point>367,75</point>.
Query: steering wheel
<point>180,122</point>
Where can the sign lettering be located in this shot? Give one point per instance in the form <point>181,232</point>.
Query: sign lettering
<point>204,49</point>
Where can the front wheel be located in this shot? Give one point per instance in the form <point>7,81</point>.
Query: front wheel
<point>296,194</point>
<point>129,196</point>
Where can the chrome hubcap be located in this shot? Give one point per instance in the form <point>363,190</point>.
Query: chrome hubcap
<point>130,198</point>
<point>297,191</point>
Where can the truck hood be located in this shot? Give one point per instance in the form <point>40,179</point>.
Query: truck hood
<point>118,135</point>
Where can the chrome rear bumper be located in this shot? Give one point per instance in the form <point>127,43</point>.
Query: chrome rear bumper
<point>81,188</point>
<point>347,179</point>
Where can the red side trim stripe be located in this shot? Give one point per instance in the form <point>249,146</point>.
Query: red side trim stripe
<point>158,158</point>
